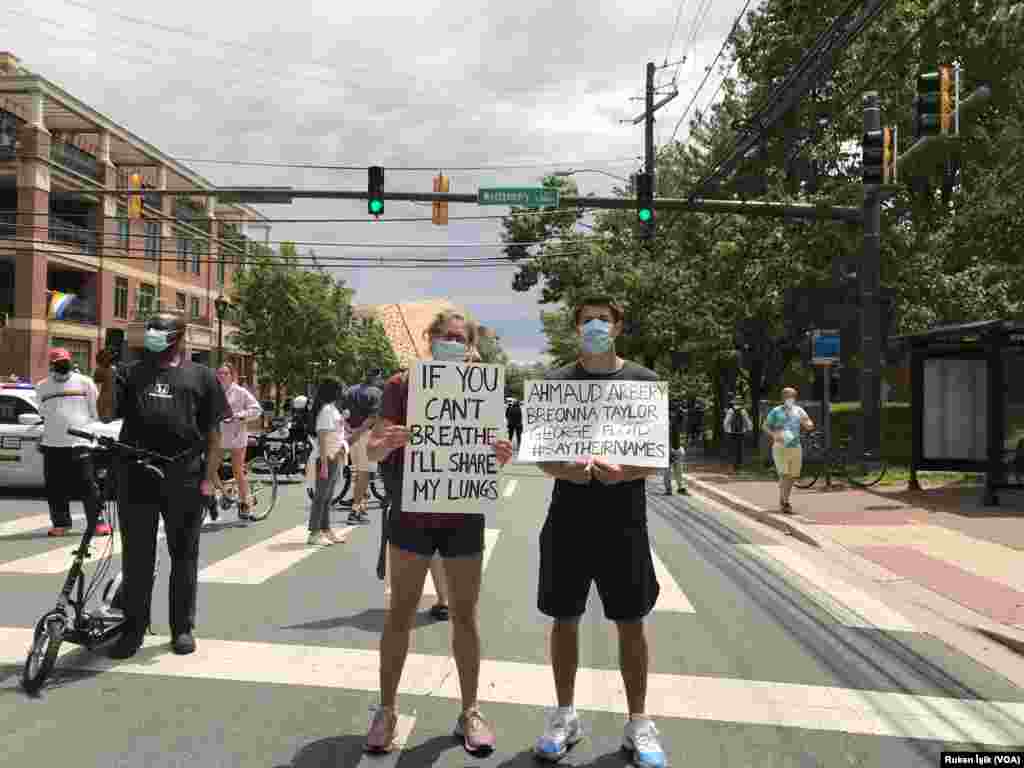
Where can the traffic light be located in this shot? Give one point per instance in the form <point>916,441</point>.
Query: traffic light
<point>873,149</point>
<point>135,201</point>
<point>375,190</point>
<point>645,205</point>
<point>888,156</point>
<point>440,212</point>
<point>935,106</point>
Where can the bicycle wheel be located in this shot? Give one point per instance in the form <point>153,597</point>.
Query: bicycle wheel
<point>262,488</point>
<point>344,483</point>
<point>377,487</point>
<point>42,656</point>
<point>810,471</point>
<point>864,471</point>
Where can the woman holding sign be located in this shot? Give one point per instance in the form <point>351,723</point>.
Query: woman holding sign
<point>414,538</point>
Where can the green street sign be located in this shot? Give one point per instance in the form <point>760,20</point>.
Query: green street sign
<point>524,197</point>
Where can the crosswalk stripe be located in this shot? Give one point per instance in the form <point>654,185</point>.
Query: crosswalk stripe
<point>265,559</point>
<point>695,697</point>
<point>403,730</point>
<point>510,487</point>
<point>671,598</point>
<point>22,525</point>
<point>58,560</point>
<point>490,539</point>
<point>850,605</point>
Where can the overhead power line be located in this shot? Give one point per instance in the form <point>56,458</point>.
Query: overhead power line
<point>707,73</point>
<point>391,168</point>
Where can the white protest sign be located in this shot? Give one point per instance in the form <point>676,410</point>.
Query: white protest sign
<point>456,414</point>
<point>623,422</point>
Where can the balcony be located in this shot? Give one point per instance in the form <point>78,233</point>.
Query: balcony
<point>64,231</point>
<point>74,159</point>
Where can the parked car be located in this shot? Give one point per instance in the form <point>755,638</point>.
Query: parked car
<point>21,428</point>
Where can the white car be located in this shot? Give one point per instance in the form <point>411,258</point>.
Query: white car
<point>21,427</point>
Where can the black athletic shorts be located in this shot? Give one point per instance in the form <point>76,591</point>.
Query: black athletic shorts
<point>617,558</point>
<point>463,540</point>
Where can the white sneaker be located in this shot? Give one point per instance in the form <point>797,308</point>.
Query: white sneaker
<point>563,731</point>
<point>640,739</point>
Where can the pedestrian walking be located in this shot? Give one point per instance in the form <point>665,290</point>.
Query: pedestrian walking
<point>235,432</point>
<point>596,531</point>
<point>677,454</point>
<point>68,400</point>
<point>105,376</point>
<point>363,403</point>
<point>413,540</point>
<point>514,417</point>
<point>737,425</point>
<point>784,423</point>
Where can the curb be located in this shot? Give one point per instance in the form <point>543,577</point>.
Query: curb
<point>1013,644</point>
<point>752,511</point>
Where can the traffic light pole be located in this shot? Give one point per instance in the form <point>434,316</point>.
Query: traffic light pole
<point>649,123</point>
<point>869,277</point>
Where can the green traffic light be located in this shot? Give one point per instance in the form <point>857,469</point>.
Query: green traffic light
<point>645,214</point>
<point>376,206</point>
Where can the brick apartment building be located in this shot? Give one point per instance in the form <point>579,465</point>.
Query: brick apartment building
<point>74,271</point>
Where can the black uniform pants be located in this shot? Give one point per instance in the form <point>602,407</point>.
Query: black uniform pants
<point>515,433</point>
<point>143,501</point>
<point>68,474</point>
<point>738,447</point>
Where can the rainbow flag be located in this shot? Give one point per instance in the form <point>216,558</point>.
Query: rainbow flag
<point>60,304</point>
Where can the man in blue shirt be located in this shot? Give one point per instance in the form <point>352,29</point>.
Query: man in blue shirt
<point>784,423</point>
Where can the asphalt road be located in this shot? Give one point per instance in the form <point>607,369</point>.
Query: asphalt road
<point>760,656</point>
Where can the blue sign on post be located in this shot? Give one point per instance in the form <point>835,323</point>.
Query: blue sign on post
<point>825,347</point>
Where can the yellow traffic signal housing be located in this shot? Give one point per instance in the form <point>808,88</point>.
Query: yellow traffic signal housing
<point>947,98</point>
<point>888,157</point>
<point>440,208</point>
<point>135,201</point>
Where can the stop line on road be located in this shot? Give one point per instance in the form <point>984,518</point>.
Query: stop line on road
<point>688,697</point>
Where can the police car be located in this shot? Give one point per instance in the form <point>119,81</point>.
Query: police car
<point>21,427</point>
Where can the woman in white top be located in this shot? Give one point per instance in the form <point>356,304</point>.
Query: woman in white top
<point>330,451</point>
<point>235,431</point>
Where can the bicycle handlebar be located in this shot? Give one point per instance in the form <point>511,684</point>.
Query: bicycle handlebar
<point>131,450</point>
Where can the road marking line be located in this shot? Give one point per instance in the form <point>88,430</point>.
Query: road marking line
<point>510,487</point>
<point>850,605</point>
<point>22,525</point>
<point>58,560</point>
<point>265,559</point>
<point>671,598</point>
<point>490,539</point>
<point>403,730</point>
<point>694,697</point>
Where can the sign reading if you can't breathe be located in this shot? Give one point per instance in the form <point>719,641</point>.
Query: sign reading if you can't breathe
<point>624,422</point>
<point>456,414</point>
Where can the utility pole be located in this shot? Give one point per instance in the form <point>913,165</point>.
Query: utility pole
<point>869,274</point>
<point>649,123</point>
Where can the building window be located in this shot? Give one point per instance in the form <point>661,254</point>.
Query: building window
<point>147,299</point>
<point>196,250</point>
<point>81,352</point>
<point>195,307</point>
<point>124,226</point>
<point>121,297</point>
<point>220,271</point>
<point>180,298</point>
<point>183,249</point>
<point>152,240</point>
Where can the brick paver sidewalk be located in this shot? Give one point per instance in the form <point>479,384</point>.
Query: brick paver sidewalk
<point>943,539</point>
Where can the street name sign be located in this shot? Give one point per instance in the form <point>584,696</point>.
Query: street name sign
<point>525,197</point>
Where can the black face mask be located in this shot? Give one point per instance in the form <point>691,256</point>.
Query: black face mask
<point>63,368</point>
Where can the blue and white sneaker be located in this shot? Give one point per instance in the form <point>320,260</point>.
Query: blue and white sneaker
<point>641,740</point>
<point>563,731</point>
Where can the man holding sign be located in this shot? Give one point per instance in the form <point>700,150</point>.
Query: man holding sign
<point>437,443</point>
<point>594,411</point>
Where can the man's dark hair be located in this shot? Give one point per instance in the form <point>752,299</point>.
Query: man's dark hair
<point>598,300</point>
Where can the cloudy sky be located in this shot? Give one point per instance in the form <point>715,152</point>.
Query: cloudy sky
<point>512,89</point>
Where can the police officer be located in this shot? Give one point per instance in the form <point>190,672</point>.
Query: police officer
<point>173,407</point>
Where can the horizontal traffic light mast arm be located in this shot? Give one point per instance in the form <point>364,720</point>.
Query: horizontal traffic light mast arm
<point>285,194</point>
<point>922,147</point>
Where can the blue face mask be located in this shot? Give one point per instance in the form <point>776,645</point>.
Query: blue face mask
<point>597,337</point>
<point>156,340</point>
<point>445,351</point>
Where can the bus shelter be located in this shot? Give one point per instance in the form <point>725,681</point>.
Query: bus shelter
<point>967,405</point>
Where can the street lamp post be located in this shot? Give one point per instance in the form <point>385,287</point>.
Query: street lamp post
<point>221,305</point>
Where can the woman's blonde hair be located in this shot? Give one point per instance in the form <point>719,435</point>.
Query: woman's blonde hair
<point>440,322</point>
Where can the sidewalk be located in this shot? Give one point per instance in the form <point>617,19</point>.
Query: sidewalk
<point>940,538</point>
